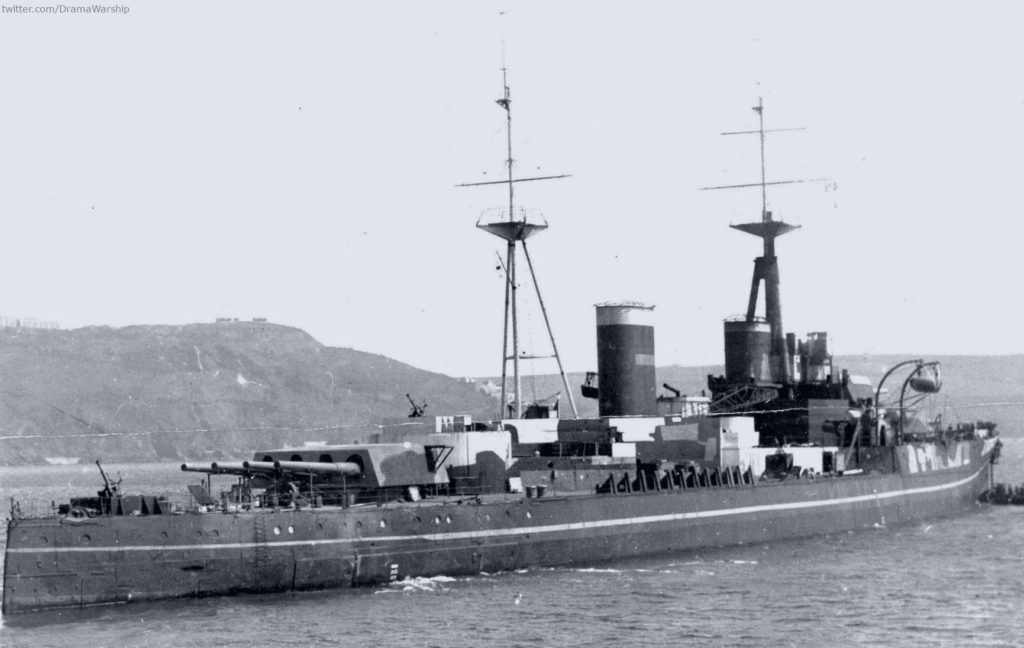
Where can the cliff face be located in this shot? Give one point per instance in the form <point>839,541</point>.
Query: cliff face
<point>148,393</point>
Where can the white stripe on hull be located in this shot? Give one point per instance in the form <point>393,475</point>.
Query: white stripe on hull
<point>516,531</point>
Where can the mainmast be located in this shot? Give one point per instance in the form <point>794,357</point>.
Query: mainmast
<point>516,232</point>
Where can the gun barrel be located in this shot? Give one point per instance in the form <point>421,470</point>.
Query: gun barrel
<point>200,469</point>
<point>106,482</point>
<point>249,467</point>
<point>345,468</point>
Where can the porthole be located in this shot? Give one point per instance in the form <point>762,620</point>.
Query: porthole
<point>487,516</point>
<point>437,520</point>
<point>359,525</point>
<point>320,525</point>
<point>528,515</point>
<point>163,535</point>
<point>215,533</point>
<point>448,519</point>
<point>383,524</point>
<point>86,537</point>
<point>277,530</point>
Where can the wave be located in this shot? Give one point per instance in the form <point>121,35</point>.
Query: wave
<point>418,584</point>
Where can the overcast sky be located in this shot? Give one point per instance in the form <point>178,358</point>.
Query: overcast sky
<point>297,161</point>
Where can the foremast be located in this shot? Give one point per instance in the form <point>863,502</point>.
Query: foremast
<point>766,270</point>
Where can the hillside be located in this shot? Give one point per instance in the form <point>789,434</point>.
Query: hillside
<point>974,387</point>
<point>200,391</point>
<point>219,391</point>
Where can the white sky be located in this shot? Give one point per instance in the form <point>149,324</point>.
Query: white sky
<point>296,161</point>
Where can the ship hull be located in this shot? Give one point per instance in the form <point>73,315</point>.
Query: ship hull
<point>63,563</point>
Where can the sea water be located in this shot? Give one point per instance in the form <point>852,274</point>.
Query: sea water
<point>956,581</point>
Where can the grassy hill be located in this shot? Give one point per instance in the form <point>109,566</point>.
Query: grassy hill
<point>220,391</point>
<point>201,391</point>
<point>974,387</point>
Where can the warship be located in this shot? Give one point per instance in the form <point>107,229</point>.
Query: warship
<point>782,445</point>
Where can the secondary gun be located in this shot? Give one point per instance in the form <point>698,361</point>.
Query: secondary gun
<point>417,410</point>
<point>109,490</point>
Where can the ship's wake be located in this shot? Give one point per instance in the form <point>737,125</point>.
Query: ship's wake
<point>418,584</point>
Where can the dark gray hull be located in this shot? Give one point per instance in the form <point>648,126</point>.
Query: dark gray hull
<point>60,563</point>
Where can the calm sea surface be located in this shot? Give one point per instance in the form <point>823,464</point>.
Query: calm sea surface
<point>947,582</point>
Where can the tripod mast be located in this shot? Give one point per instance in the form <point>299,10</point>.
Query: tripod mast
<point>766,266</point>
<point>515,232</point>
